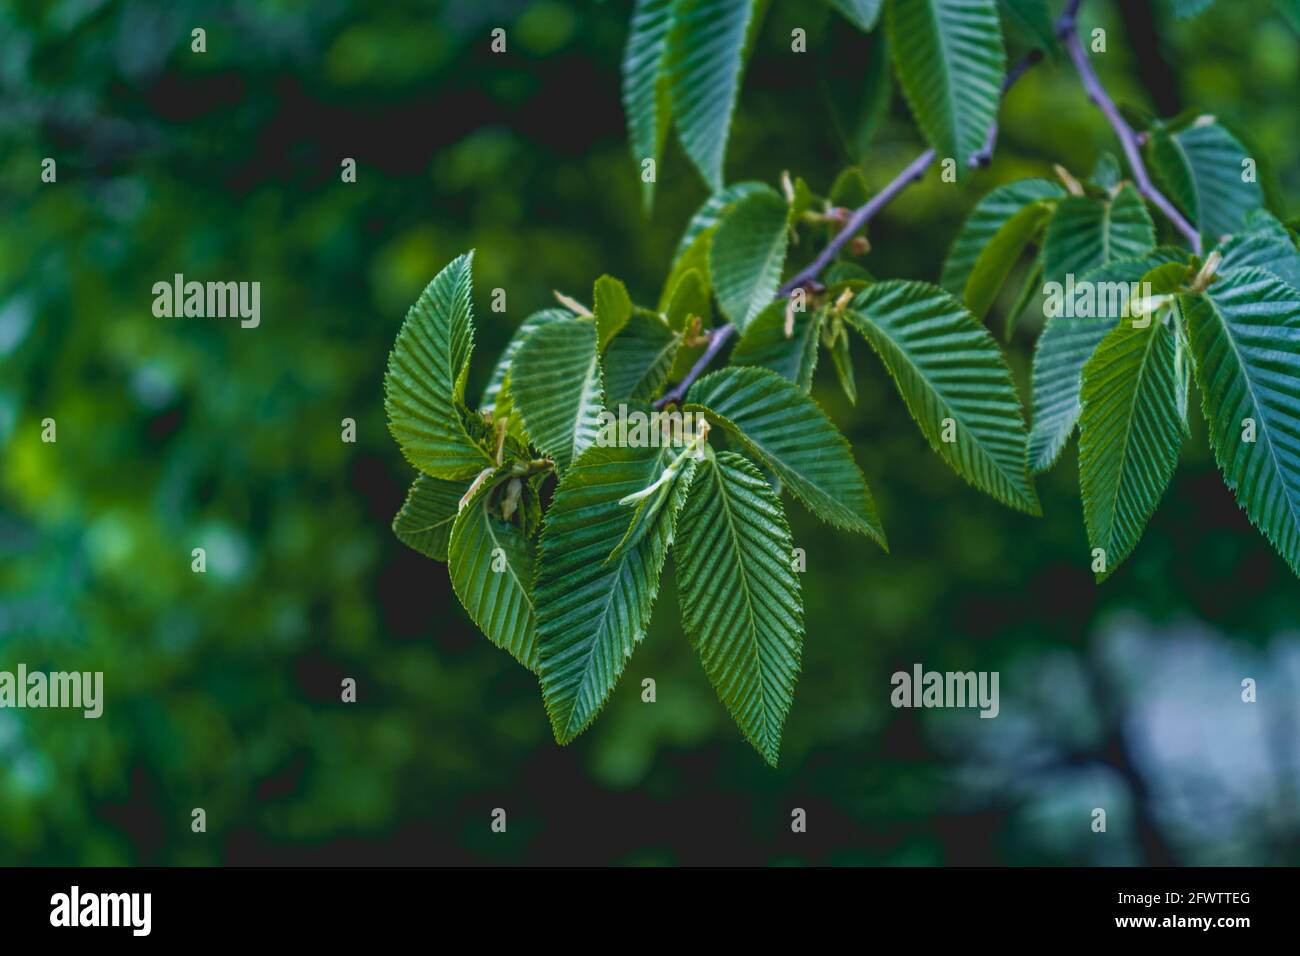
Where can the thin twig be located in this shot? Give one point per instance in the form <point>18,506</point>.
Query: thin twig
<point>1067,30</point>
<point>717,338</point>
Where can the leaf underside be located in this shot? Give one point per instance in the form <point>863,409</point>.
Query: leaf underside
<point>947,366</point>
<point>1245,338</point>
<point>790,435</point>
<point>645,84</point>
<point>424,386</point>
<point>1201,166</point>
<point>983,223</point>
<point>704,61</point>
<point>425,520</point>
<point>590,611</point>
<point>556,383</point>
<point>740,597</point>
<point>950,63</point>
<point>526,328</point>
<point>1087,232</point>
<point>1130,431</point>
<point>747,255</point>
<point>638,360</point>
<point>1263,251</point>
<point>491,570</point>
<point>1066,344</point>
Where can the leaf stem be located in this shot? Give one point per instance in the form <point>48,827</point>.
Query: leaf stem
<point>1067,30</point>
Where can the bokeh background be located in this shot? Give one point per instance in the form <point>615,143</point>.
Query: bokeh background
<point>223,689</point>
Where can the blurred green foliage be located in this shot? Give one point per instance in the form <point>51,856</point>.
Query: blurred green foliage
<point>223,689</point>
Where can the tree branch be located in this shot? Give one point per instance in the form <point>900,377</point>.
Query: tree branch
<point>807,277</point>
<point>717,339</point>
<point>1067,30</point>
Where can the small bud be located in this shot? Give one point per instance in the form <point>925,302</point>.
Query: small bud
<point>572,304</point>
<point>1204,277</point>
<point>511,500</point>
<point>1071,184</point>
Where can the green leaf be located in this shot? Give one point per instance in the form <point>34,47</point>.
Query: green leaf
<point>424,386</point>
<point>861,13</point>
<point>1001,253</point>
<point>1201,168</point>
<point>846,275</point>
<point>639,358</point>
<point>1087,232</point>
<point>740,595</point>
<point>526,328</point>
<point>711,212</point>
<point>1066,344</point>
<point>695,259</point>
<point>647,505</point>
<point>1245,337</point>
<point>693,247</point>
<point>1262,222</point>
<point>705,57</point>
<point>1129,435</point>
<point>849,190</point>
<point>645,85</point>
<point>1261,250</point>
<point>1032,20</point>
<point>790,435</point>
<point>747,256</point>
<point>1106,174</point>
<point>764,344</point>
<point>427,514</point>
<point>948,367</point>
<point>592,612</point>
<point>557,388</point>
<point>491,570</point>
<point>689,297</point>
<point>1031,289</point>
<point>950,64</point>
<point>988,216</point>
<point>612,307</point>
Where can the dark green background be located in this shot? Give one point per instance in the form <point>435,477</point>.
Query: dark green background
<point>223,689</point>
